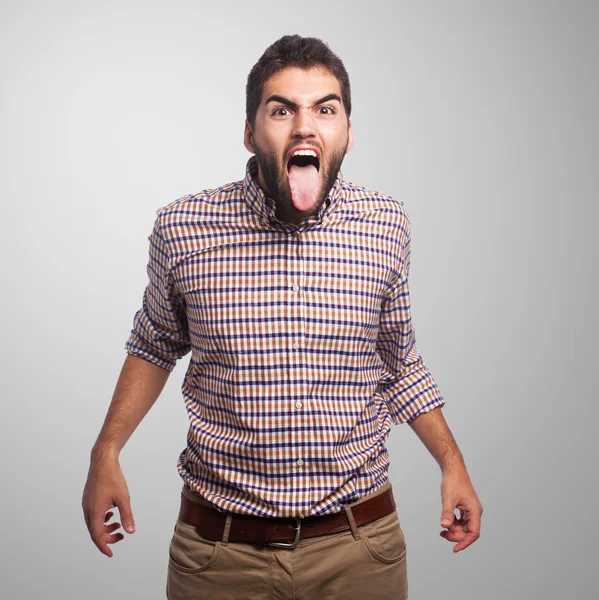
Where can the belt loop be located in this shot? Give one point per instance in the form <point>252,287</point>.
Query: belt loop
<point>352,522</point>
<point>225,539</point>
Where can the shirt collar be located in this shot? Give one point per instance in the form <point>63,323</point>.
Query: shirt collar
<point>265,207</point>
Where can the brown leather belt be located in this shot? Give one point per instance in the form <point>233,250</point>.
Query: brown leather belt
<point>280,531</point>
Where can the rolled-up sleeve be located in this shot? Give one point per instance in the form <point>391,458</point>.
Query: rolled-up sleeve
<point>160,331</point>
<point>406,384</point>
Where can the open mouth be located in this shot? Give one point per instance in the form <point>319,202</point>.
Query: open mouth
<point>304,178</point>
<point>304,160</point>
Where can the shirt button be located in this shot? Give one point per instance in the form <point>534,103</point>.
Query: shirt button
<point>298,404</point>
<point>296,346</point>
<point>299,462</point>
<point>295,287</point>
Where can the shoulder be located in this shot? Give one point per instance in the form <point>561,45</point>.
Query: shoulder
<point>379,206</point>
<point>201,202</point>
<point>202,208</point>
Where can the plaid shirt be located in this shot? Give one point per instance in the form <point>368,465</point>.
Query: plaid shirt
<point>302,346</point>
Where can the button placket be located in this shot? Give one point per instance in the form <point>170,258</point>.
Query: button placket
<point>297,376</point>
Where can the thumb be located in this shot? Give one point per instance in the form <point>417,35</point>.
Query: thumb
<point>447,516</point>
<point>126,516</point>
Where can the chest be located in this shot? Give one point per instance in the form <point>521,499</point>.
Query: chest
<point>266,292</point>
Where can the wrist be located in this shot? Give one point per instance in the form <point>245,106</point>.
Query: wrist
<point>102,453</point>
<point>453,466</point>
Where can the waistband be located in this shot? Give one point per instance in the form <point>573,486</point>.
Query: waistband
<point>216,525</point>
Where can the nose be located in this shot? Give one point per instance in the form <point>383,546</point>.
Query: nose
<point>304,124</point>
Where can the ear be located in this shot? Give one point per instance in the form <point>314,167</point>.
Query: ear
<point>248,138</point>
<point>350,143</point>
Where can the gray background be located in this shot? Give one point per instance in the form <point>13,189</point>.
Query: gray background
<point>480,116</point>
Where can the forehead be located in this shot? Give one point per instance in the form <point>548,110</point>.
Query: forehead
<point>299,84</point>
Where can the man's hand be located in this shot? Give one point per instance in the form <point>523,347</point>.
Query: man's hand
<point>456,488</point>
<point>137,388</point>
<point>106,488</point>
<point>457,492</point>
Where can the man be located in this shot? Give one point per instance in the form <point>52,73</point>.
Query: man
<point>290,288</point>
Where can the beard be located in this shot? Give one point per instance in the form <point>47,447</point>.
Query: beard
<point>277,183</point>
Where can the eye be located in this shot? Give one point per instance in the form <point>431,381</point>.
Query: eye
<point>277,111</point>
<point>330,109</point>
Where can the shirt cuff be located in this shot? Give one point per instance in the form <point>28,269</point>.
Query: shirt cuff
<point>135,350</point>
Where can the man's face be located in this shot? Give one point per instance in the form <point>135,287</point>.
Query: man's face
<point>301,109</point>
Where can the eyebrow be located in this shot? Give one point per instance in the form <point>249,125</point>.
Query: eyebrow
<point>291,104</point>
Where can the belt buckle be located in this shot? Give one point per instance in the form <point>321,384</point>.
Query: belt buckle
<point>293,544</point>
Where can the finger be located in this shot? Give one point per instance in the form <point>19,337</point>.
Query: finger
<point>112,527</point>
<point>100,537</point>
<point>114,538</point>
<point>472,529</point>
<point>456,536</point>
<point>447,515</point>
<point>106,538</point>
<point>474,521</point>
<point>469,539</point>
<point>126,515</point>
<point>458,528</point>
<point>108,515</point>
<point>455,525</point>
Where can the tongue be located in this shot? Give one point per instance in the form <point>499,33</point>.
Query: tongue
<point>305,185</point>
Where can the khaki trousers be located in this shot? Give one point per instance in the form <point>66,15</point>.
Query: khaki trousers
<point>363,563</point>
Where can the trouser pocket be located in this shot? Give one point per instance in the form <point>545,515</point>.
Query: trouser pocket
<point>384,539</point>
<point>189,552</point>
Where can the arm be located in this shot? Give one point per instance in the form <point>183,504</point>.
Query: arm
<point>137,388</point>
<point>457,490</point>
<point>406,384</point>
<point>159,337</point>
<point>409,390</point>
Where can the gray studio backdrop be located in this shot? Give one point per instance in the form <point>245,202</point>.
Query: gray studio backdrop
<point>480,116</point>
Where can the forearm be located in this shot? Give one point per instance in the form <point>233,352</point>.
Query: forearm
<point>434,433</point>
<point>139,385</point>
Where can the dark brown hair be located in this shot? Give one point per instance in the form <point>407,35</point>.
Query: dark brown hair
<point>293,51</point>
